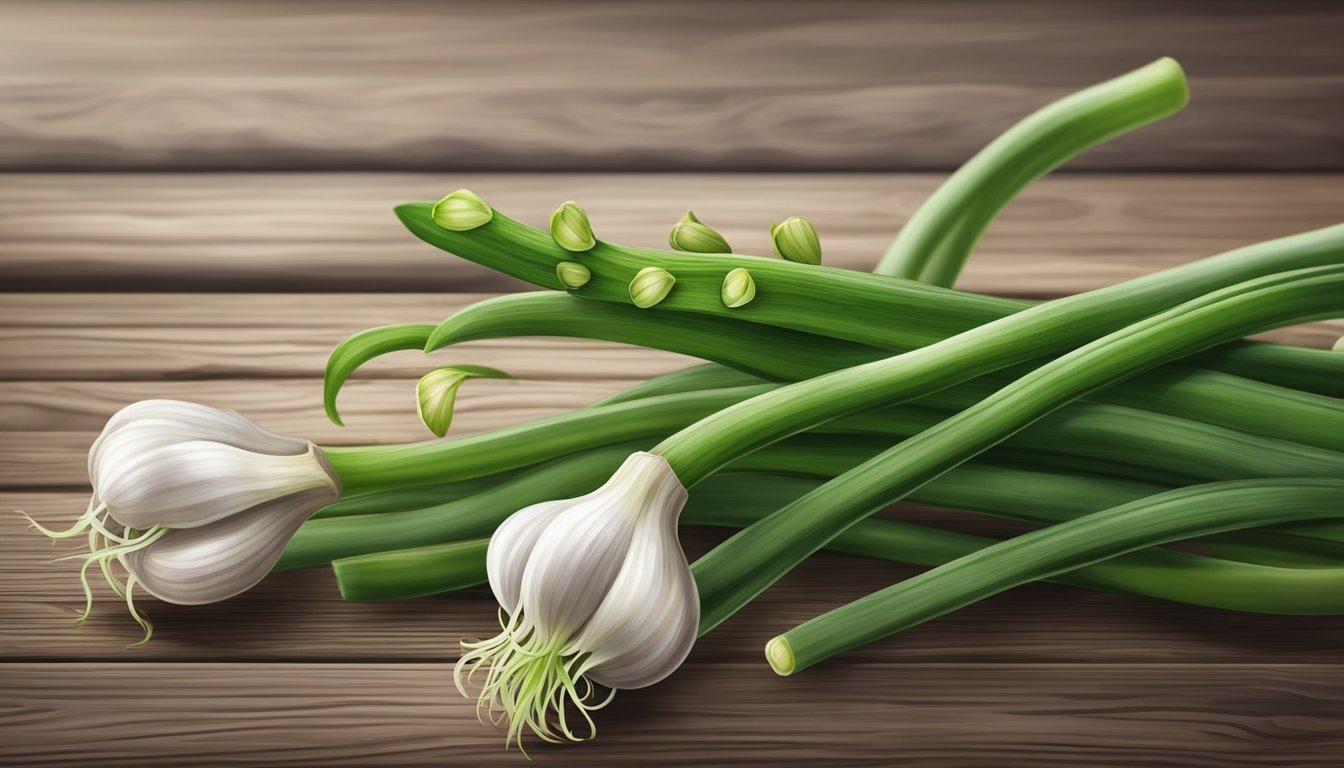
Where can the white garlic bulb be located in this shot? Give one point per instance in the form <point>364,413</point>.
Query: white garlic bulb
<point>196,503</point>
<point>597,590</point>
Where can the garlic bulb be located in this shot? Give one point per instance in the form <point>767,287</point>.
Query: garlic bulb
<point>597,590</point>
<point>196,503</point>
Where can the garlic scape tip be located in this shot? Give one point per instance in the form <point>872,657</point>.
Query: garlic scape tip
<point>597,592</point>
<point>194,503</point>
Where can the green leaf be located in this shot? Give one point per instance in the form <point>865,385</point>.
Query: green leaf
<point>364,346</point>
<point>436,393</point>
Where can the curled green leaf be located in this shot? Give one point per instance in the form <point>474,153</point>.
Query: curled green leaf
<point>436,393</point>
<point>364,346</point>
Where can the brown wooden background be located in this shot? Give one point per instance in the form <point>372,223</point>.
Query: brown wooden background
<point>194,202</point>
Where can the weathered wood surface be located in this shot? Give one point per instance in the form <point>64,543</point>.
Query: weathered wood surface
<point>709,714</point>
<point>336,232</point>
<point>298,616</point>
<point>154,337</point>
<point>612,84</point>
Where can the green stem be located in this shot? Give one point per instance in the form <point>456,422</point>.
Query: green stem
<point>1044,329</point>
<point>772,353</point>
<point>841,303</point>
<point>737,570</point>
<point>1171,516</point>
<point>737,501</point>
<point>934,244</point>
<point>1033,494</point>
<point>374,467</point>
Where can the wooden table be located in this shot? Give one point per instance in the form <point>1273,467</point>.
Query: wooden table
<point>160,277</point>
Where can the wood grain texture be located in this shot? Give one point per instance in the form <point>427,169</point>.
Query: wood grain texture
<point>181,336</point>
<point>298,616</point>
<point>336,232</point>
<point>931,715</point>
<point>604,84</point>
<point>161,337</point>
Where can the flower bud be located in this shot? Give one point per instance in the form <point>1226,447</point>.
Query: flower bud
<point>571,229</point>
<point>598,590</point>
<point>650,286</point>
<point>738,288</point>
<point>796,240</point>
<point>572,274</point>
<point>1339,345</point>
<point>692,236</point>
<point>461,210</point>
<point>436,393</point>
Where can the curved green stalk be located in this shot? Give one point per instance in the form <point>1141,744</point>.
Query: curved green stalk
<point>697,451</point>
<point>741,567</point>
<point>695,378</point>
<point>841,303</point>
<point>1171,516</point>
<point>1216,398</point>
<point>737,501</point>
<point>1125,441</point>
<point>374,467</point>
<point>1033,494</point>
<point>934,244</point>
<point>361,348</point>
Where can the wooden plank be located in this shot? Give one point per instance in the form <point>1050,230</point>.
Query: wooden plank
<point>155,337</point>
<point>299,615</point>
<point>160,337</point>
<point>707,714</point>
<point>309,232</point>
<point>598,84</point>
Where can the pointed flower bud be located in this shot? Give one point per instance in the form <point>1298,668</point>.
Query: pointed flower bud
<point>796,240</point>
<point>650,286</point>
<point>1339,345</point>
<point>597,590</point>
<point>570,228</point>
<point>691,235</point>
<point>572,274</point>
<point>194,502</point>
<point>436,393</point>
<point>461,210</point>
<point>738,288</point>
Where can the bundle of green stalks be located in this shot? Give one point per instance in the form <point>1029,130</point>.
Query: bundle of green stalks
<point>1119,421</point>
<point>1116,422</point>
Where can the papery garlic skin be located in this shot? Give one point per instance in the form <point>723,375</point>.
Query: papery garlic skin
<point>210,563</point>
<point>196,503</point>
<point>598,591</point>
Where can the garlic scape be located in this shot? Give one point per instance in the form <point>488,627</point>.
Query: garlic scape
<point>195,503</point>
<point>597,592</point>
